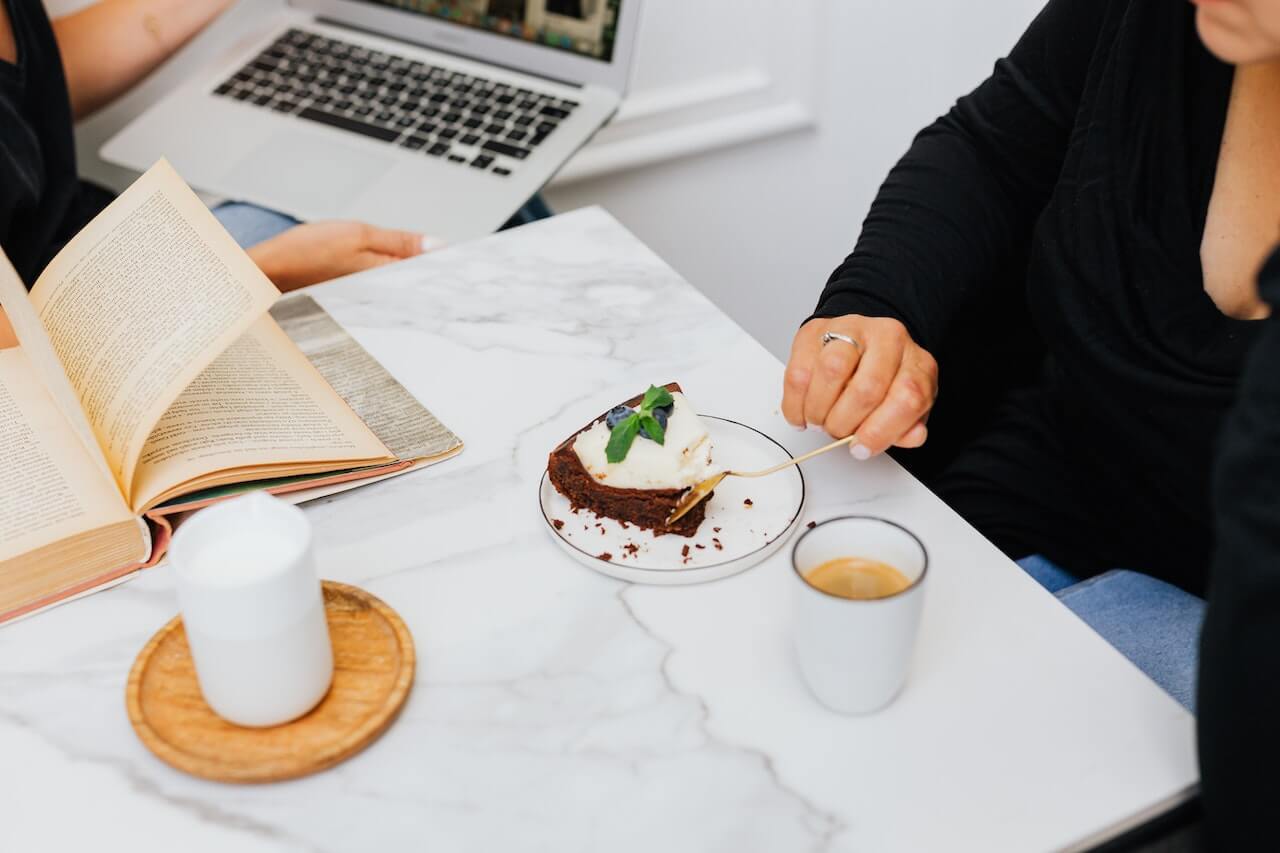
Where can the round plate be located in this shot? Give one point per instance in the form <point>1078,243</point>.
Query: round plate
<point>747,520</point>
<point>373,664</point>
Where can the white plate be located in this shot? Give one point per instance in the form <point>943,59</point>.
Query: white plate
<point>733,538</point>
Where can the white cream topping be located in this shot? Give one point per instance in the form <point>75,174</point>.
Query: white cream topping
<point>682,460</point>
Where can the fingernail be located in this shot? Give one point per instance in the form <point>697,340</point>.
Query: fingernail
<point>798,428</point>
<point>814,428</point>
<point>860,453</point>
<point>430,244</point>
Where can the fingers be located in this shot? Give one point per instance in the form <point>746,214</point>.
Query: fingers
<point>398,244</point>
<point>885,342</point>
<point>898,418</point>
<point>795,382</point>
<point>832,368</point>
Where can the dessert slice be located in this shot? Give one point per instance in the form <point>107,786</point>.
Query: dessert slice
<point>634,462</point>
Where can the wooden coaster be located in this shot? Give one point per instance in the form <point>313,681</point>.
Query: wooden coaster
<point>373,664</point>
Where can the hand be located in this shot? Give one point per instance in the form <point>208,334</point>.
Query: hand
<point>319,251</point>
<point>882,389</point>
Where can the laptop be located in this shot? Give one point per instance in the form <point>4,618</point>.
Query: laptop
<point>437,116</point>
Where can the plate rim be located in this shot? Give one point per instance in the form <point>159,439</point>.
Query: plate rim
<point>546,476</point>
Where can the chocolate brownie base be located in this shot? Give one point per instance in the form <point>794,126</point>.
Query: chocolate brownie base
<point>647,508</point>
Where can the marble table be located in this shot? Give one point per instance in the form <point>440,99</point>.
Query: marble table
<point>558,710</point>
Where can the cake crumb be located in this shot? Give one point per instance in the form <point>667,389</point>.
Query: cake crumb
<point>716,542</point>
<point>684,552</point>
<point>715,529</point>
<point>625,526</point>
<point>631,548</point>
<point>559,525</point>
<point>701,547</point>
<point>748,502</point>
<point>811,525</point>
<point>606,556</point>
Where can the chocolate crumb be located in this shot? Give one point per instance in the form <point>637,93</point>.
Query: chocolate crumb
<point>716,529</point>
<point>748,502</point>
<point>606,556</point>
<point>631,548</point>
<point>701,547</point>
<point>716,542</point>
<point>625,526</point>
<point>559,525</point>
<point>684,552</point>
<point>811,525</point>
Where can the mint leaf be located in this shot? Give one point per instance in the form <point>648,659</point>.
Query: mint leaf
<point>620,440</point>
<point>652,428</point>
<point>656,398</point>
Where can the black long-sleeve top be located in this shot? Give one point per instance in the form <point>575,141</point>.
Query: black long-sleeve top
<point>1239,688</point>
<point>1078,178</point>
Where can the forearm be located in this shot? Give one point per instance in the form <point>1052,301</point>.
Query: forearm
<point>109,46</point>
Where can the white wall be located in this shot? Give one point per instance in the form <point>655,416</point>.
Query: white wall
<point>755,137</point>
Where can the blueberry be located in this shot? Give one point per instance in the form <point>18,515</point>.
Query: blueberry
<point>660,415</point>
<point>619,414</point>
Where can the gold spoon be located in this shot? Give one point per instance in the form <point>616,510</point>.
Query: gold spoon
<point>698,492</point>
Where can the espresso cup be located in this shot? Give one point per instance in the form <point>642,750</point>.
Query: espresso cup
<point>854,653</point>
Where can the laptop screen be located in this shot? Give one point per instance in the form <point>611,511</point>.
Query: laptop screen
<point>585,27</point>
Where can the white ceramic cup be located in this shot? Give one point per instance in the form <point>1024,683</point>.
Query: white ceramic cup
<point>854,653</point>
<point>253,609</point>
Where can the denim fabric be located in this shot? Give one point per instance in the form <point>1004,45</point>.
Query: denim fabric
<point>1153,624</point>
<point>250,224</point>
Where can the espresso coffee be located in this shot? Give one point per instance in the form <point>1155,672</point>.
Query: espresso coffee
<point>857,578</point>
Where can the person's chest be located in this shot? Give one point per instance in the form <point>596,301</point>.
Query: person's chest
<point>1242,222</point>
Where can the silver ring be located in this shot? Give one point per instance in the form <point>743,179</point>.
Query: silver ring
<point>828,337</point>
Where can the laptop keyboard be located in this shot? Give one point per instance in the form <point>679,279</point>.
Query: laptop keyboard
<point>455,117</point>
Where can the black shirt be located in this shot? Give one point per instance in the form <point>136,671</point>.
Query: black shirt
<point>1239,686</point>
<point>42,202</point>
<point>1077,180</point>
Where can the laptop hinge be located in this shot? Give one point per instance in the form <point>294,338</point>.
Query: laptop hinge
<point>347,25</point>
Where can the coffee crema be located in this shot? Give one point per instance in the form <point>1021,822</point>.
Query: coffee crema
<point>857,578</point>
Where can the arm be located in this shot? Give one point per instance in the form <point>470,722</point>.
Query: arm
<point>1239,689</point>
<point>963,200</point>
<point>110,46</point>
<point>948,221</point>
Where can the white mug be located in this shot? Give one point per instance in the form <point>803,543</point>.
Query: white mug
<point>854,653</point>
<point>253,609</point>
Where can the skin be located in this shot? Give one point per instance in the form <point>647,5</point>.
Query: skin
<point>883,390</point>
<point>110,46</point>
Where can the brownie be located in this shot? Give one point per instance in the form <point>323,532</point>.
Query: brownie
<point>647,508</point>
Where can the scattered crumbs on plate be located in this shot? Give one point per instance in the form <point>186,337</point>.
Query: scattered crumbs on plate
<point>716,542</point>
<point>701,547</point>
<point>811,525</point>
<point>716,529</point>
<point>631,548</point>
<point>559,525</point>
<point>606,556</point>
<point>748,502</point>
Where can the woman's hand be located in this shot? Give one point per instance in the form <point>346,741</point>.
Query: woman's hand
<point>319,251</point>
<point>882,388</point>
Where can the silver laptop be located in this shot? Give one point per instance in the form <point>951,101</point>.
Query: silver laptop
<point>439,116</point>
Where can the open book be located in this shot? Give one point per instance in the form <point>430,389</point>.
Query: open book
<point>155,376</point>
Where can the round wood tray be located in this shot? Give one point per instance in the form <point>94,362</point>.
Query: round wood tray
<point>373,668</point>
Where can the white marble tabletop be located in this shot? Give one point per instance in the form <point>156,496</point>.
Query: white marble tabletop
<point>558,710</point>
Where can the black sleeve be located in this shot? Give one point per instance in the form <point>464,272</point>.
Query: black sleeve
<point>964,198</point>
<point>1239,690</point>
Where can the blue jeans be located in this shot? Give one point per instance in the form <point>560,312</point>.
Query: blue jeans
<point>1152,623</point>
<point>250,224</point>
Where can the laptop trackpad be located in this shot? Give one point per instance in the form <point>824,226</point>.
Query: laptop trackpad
<point>314,173</point>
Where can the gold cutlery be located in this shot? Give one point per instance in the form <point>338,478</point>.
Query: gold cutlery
<point>699,491</point>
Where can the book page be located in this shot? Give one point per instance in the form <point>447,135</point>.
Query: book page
<point>260,403</point>
<point>46,367</point>
<point>402,423</point>
<point>140,302</point>
<point>52,488</point>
